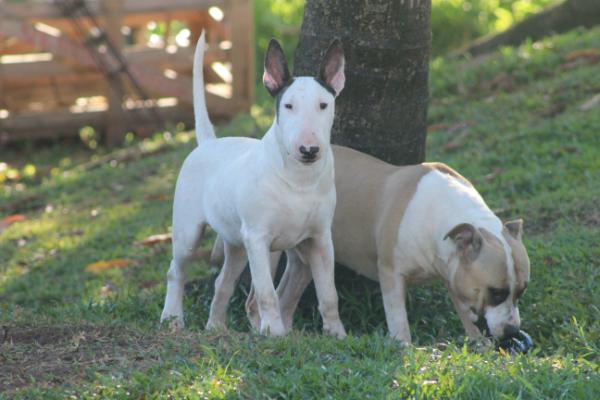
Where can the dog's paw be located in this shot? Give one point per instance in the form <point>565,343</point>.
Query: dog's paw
<point>482,344</point>
<point>336,330</point>
<point>275,328</point>
<point>213,325</point>
<point>253,315</point>
<point>174,322</point>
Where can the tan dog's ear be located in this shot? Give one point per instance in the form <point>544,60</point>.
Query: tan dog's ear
<point>467,240</point>
<point>515,228</point>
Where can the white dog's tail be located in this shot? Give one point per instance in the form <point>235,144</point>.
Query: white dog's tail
<point>204,129</point>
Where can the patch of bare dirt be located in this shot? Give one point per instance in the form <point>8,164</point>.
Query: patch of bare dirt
<point>50,356</point>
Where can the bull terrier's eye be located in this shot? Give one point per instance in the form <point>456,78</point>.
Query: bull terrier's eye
<point>288,106</point>
<point>323,106</point>
<point>498,296</point>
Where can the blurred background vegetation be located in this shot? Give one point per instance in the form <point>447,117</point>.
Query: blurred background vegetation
<point>454,23</point>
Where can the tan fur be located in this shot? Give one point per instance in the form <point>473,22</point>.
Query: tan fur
<point>360,208</point>
<point>520,259</point>
<point>473,278</point>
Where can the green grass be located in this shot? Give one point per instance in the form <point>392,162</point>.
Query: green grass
<point>512,123</point>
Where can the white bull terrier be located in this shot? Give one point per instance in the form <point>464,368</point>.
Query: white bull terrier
<point>408,225</point>
<point>263,195</point>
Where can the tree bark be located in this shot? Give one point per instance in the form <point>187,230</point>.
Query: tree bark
<point>555,19</point>
<point>383,107</point>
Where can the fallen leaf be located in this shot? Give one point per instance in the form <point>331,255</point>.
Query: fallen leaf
<point>437,127</point>
<point>457,142</point>
<point>582,53</point>
<point>579,58</point>
<point>100,266</point>
<point>11,219</point>
<point>501,82</point>
<point>156,239</point>
<point>591,103</point>
<point>157,197</point>
<point>447,128</point>
<point>565,150</point>
<point>492,175</point>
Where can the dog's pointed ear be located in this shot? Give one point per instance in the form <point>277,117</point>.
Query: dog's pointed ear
<point>332,67</point>
<point>515,228</point>
<point>467,239</point>
<point>277,73</point>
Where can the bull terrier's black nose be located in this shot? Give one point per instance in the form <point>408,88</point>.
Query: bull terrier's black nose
<point>510,331</point>
<point>309,154</point>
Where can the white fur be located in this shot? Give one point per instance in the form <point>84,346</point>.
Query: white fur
<point>259,197</point>
<point>440,203</point>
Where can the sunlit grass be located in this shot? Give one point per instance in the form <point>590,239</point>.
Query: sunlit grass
<point>528,146</point>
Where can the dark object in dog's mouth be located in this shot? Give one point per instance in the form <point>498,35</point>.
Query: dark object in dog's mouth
<point>520,343</point>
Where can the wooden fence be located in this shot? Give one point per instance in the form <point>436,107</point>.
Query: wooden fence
<point>119,65</point>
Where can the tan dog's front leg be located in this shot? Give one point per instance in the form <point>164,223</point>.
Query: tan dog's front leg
<point>295,279</point>
<point>318,253</point>
<point>393,288</point>
<point>470,328</point>
<point>292,285</point>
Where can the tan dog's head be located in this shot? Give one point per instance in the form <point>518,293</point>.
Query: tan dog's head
<point>490,274</point>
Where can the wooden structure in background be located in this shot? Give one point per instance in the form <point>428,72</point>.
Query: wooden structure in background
<point>51,84</point>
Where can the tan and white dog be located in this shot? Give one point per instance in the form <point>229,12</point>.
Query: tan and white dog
<point>263,195</point>
<point>407,225</point>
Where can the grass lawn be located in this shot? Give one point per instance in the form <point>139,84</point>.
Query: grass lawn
<point>80,294</point>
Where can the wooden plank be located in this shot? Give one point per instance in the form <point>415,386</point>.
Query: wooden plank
<point>191,18</point>
<point>242,52</point>
<point>71,50</point>
<point>116,123</point>
<point>46,9</point>
<point>36,125</point>
<point>159,59</point>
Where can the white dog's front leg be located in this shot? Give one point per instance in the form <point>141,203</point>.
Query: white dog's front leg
<point>268,305</point>
<point>318,253</point>
<point>393,288</point>
<point>235,261</point>
<point>251,304</point>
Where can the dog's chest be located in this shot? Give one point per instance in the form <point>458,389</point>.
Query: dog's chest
<point>297,218</point>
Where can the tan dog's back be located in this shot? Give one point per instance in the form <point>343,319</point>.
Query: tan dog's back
<point>365,226</point>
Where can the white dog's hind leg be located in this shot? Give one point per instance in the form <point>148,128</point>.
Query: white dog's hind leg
<point>235,261</point>
<point>183,250</point>
<point>318,253</point>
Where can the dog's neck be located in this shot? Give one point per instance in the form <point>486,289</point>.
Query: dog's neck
<point>294,174</point>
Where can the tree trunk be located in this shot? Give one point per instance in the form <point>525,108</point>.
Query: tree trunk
<point>382,110</point>
<point>556,19</point>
